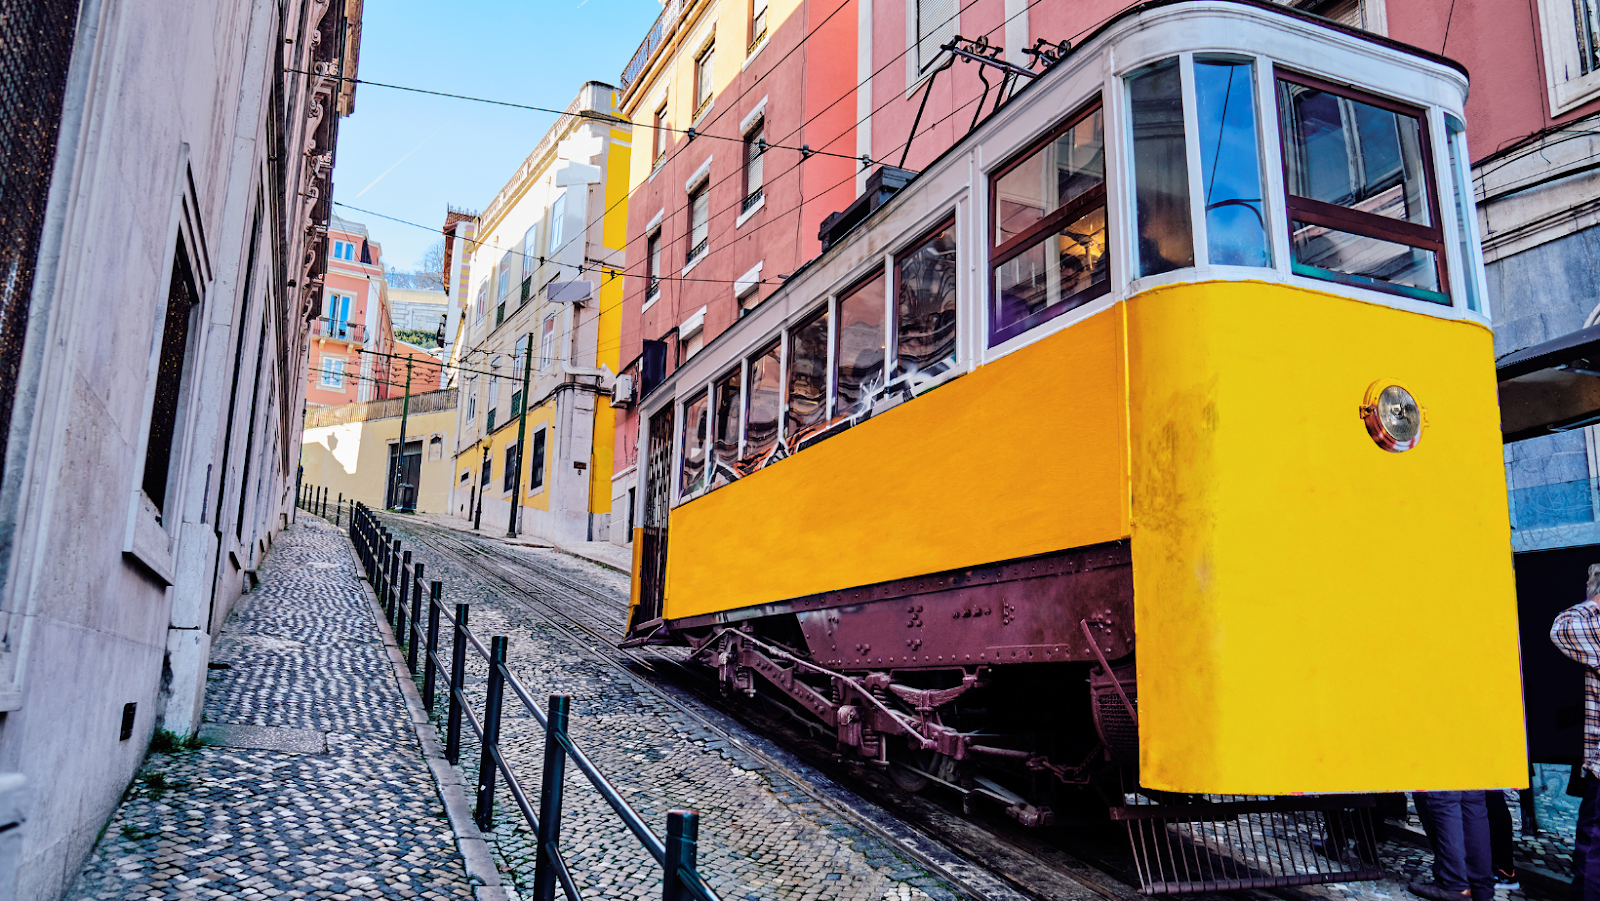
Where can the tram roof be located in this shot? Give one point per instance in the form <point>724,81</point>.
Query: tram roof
<point>1550,387</point>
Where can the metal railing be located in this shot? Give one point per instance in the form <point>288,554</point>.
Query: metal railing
<point>338,329</point>
<point>398,584</point>
<point>652,40</point>
<point>314,499</point>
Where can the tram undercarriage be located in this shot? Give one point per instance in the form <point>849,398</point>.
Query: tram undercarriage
<point>1014,685</point>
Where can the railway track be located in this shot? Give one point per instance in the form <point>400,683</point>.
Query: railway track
<point>1016,863</point>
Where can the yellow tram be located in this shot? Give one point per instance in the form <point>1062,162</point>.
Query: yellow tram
<point>1180,357</point>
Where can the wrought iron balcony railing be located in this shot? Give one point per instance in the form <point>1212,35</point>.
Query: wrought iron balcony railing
<point>339,330</point>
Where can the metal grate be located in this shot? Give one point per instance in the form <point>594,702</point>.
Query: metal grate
<point>37,36</point>
<point>1206,843</point>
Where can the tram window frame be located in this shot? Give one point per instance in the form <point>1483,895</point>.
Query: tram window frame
<point>878,274</point>
<point>952,363</point>
<point>1362,224</point>
<point>737,374</point>
<point>747,464</point>
<point>1047,226</point>
<point>701,396</point>
<point>792,436</point>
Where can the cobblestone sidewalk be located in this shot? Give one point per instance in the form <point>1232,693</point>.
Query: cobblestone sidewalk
<point>312,784</point>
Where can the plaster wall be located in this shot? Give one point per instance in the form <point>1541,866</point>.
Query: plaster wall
<point>351,460</point>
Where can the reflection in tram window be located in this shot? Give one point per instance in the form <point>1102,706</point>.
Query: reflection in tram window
<point>1359,186</point>
<point>1353,154</point>
<point>859,350</point>
<point>696,428</point>
<point>761,409</point>
<point>808,378</point>
<point>1230,163</point>
<point>1460,165</point>
<point>925,305</point>
<point>725,427</point>
<point>1161,169</point>
<point>1050,228</point>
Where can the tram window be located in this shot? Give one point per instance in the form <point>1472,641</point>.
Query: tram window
<point>762,408</point>
<point>1049,210</point>
<point>808,378</point>
<point>1230,161</point>
<point>858,349</point>
<point>1465,207</point>
<point>925,304</point>
<point>725,448</point>
<point>1160,169</point>
<point>1359,185</point>
<point>695,434</point>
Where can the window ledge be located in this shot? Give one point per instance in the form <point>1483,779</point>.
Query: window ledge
<point>652,300</point>
<point>1574,92</point>
<point>756,48</point>
<point>704,111</point>
<point>693,263</point>
<point>745,216</point>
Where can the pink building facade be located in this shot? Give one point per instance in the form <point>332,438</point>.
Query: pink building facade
<point>353,333</point>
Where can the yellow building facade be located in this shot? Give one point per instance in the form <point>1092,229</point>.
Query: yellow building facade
<point>351,451</point>
<point>540,326</point>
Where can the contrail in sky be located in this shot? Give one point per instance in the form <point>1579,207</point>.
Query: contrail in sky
<point>399,161</point>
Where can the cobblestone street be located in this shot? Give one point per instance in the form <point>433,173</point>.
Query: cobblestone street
<point>762,836</point>
<point>311,783</point>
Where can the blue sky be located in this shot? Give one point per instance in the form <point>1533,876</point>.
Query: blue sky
<point>408,155</point>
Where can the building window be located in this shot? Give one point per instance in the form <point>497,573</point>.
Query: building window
<point>333,373</point>
<point>658,138</point>
<point>502,289</point>
<point>536,462</point>
<point>172,366</point>
<point>338,318</point>
<point>758,23</point>
<point>699,213</point>
<point>557,217</point>
<point>703,81</point>
<point>755,148</point>
<point>1360,188</point>
<point>344,250</point>
<point>483,300</point>
<point>1571,32</point>
<point>472,398</point>
<point>652,270</point>
<point>513,468</point>
<point>937,22</point>
<point>1049,213</point>
<point>547,341</point>
<point>925,298</point>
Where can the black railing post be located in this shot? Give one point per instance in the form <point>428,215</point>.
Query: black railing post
<point>458,679</point>
<point>416,619</point>
<point>548,841</point>
<point>429,667</point>
<point>683,839</point>
<point>338,509</point>
<point>483,815</point>
<point>401,598</point>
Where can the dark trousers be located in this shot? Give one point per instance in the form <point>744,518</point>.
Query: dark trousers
<point>1501,842</point>
<point>1457,824</point>
<point>1586,848</point>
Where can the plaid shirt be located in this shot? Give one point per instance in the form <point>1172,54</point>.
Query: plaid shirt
<point>1577,633</point>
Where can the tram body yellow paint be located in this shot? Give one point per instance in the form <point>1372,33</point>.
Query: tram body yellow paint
<point>1314,613</point>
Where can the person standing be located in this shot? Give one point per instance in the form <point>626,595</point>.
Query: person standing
<point>1457,823</point>
<point>1576,632</point>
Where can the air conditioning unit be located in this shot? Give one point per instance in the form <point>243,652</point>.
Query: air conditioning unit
<point>622,391</point>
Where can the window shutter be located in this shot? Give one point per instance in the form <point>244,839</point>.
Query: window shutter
<point>697,218</point>
<point>753,162</point>
<point>936,24</point>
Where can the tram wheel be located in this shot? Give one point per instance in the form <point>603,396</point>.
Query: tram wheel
<point>904,762</point>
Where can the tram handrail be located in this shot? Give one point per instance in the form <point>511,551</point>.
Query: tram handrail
<point>398,585</point>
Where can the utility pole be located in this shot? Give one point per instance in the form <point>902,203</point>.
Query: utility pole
<point>400,460</point>
<point>477,518</point>
<point>522,429</point>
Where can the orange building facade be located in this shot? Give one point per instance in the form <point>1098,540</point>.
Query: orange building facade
<point>353,338</point>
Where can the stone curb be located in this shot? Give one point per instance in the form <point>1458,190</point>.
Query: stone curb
<point>469,840</point>
<point>595,560</point>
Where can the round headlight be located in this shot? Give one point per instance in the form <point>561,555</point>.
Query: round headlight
<point>1392,416</point>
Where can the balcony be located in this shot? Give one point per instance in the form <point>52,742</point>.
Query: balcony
<point>641,57</point>
<point>338,330</point>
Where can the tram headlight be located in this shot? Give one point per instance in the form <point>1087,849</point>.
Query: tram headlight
<point>1393,417</point>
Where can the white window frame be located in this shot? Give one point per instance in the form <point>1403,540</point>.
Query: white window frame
<point>1560,38</point>
<point>547,341</point>
<point>918,70</point>
<point>332,376</point>
<point>557,219</point>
